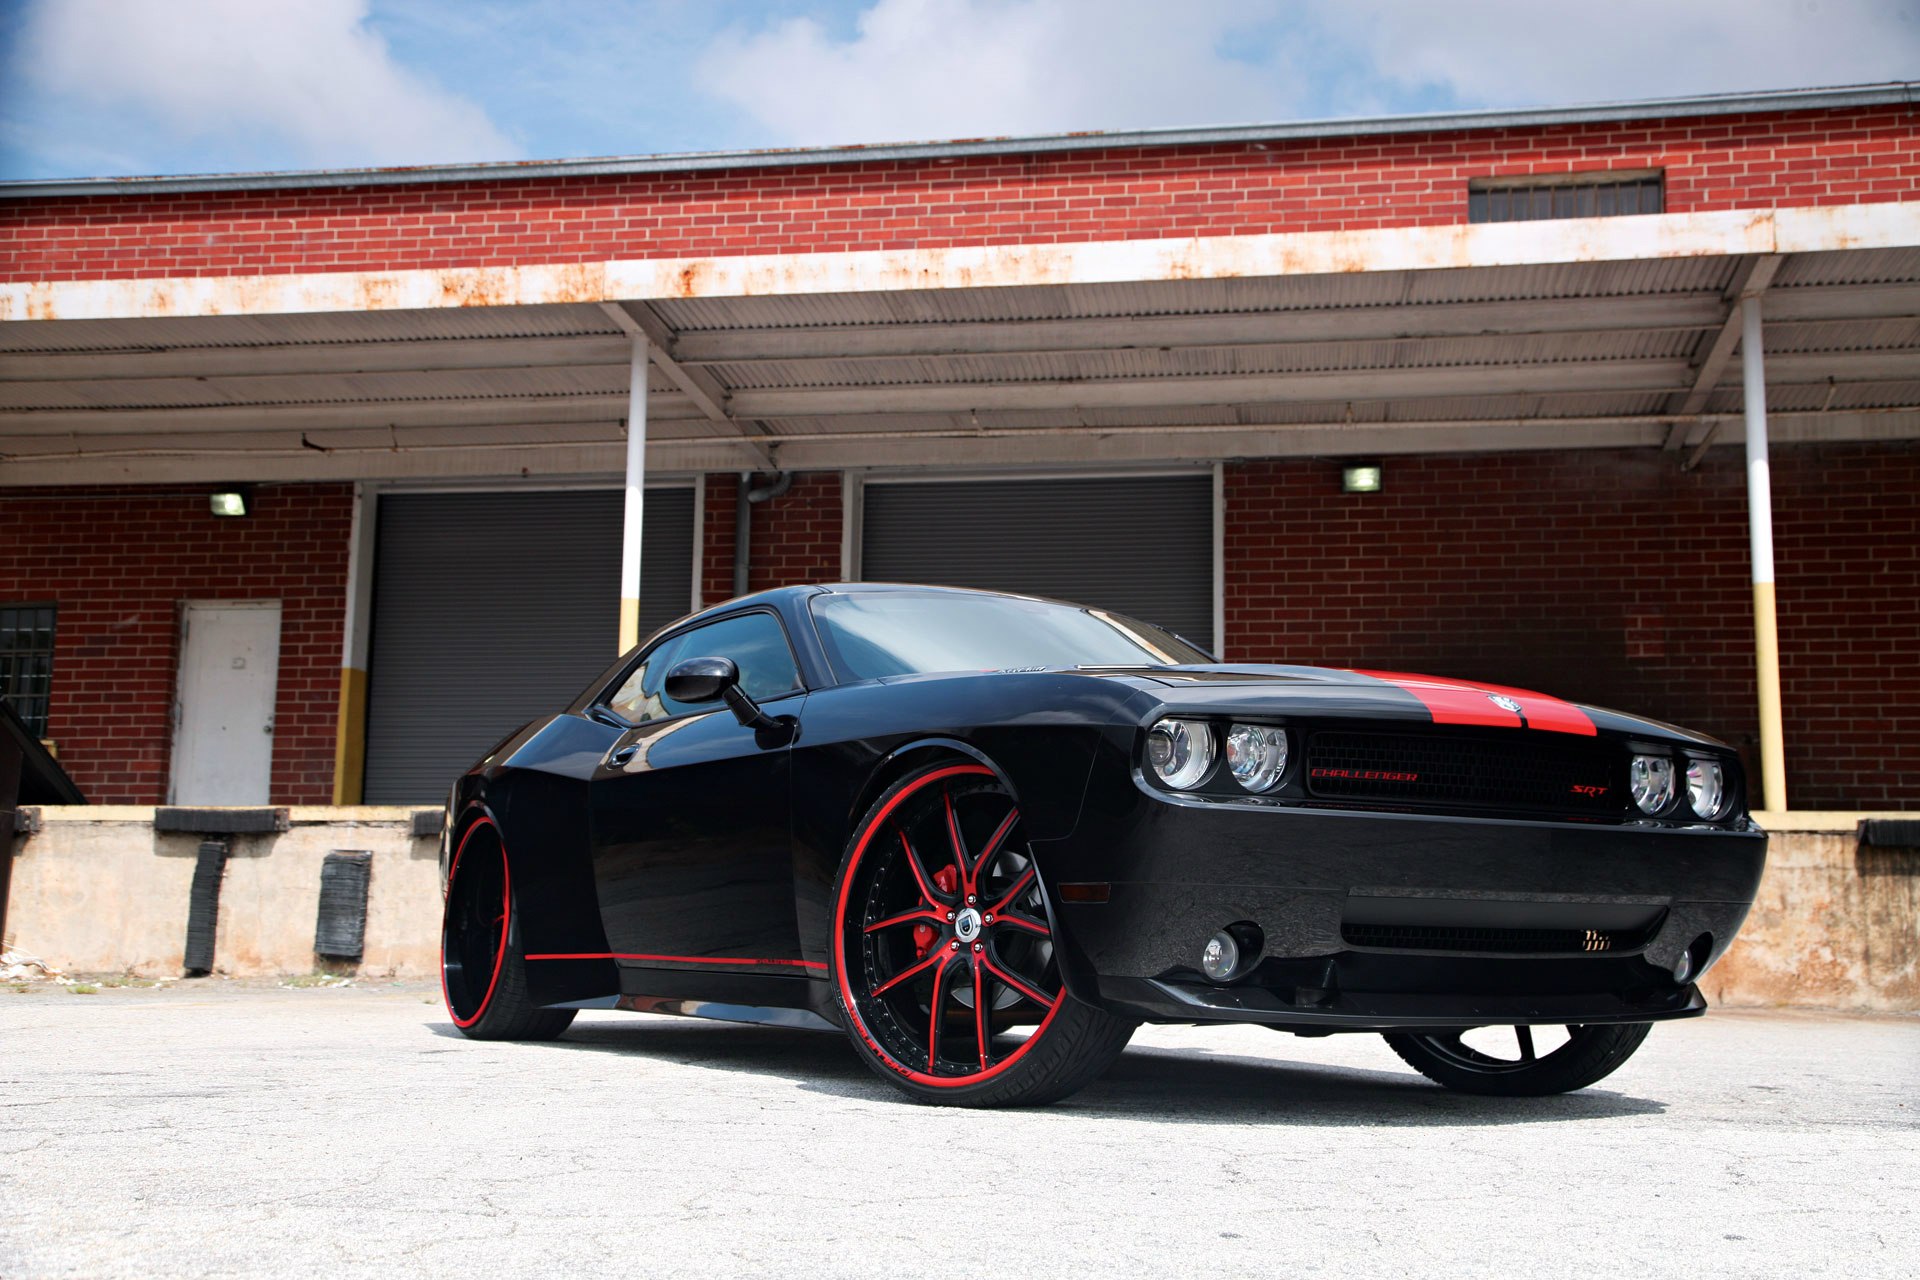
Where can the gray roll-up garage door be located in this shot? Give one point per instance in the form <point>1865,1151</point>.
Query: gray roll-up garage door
<point>1139,545</point>
<point>492,608</point>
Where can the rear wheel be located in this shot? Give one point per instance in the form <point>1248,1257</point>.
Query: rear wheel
<point>1519,1062</point>
<point>483,971</point>
<point>943,952</point>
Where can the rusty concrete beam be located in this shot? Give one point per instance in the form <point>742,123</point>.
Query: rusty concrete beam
<point>1654,237</point>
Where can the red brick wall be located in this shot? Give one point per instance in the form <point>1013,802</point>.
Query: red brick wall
<point>1609,577</point>
<point>1849,156</point>
<point>795,537</point>
<point>119,561</point>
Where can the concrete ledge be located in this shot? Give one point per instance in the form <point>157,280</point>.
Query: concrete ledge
<point>1824,819</point>
<point>98,889</point>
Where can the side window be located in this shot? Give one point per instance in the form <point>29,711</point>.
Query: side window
<point>756,642</point>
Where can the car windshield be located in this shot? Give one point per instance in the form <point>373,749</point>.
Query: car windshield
<point>895,633</point>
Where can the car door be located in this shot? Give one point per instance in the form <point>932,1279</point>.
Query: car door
<point>691,813</point>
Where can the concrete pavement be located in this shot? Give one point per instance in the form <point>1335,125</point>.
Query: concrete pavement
<point>220,1128</point>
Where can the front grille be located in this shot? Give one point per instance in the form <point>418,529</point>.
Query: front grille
<point>1420,937</point>
<point>1530,772</point>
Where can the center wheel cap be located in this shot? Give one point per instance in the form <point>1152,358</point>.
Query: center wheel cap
<point>966,925</point>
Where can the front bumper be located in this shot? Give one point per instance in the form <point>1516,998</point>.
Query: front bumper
<point>1634,898</point>
<point>1157,1000</point>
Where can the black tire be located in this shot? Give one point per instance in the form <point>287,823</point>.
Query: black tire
<point>1590,1054</point>
<point>483,967</point>
<point>899,961</point>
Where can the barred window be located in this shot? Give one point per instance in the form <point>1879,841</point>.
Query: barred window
<point>1571,195</point>
<point>26,661</point>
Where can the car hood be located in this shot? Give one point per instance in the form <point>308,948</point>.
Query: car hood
<point>1395,695</point>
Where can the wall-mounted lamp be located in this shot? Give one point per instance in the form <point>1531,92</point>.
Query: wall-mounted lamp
<point>230,502</point>
<point>1361,479</point>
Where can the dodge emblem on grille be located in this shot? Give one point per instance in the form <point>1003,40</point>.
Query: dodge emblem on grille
<point>1505,703</point>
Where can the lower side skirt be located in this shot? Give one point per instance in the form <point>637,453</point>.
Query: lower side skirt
<point>763,999</point>
<point>759,1015</point>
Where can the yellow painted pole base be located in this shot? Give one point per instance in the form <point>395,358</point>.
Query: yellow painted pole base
<point>350,737</point>
<point>1766,644</point>
<point>629,622</point>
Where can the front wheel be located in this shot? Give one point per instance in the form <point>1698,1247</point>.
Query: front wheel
<point>943,952</point>
<point>483,971</point>
<point>1519,1062</point>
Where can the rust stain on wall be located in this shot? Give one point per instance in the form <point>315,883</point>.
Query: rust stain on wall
<point>1836,924</point>
<point>689,283</point>
<point>578,282</point>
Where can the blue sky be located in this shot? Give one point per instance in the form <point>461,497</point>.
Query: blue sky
<point>111,87</point>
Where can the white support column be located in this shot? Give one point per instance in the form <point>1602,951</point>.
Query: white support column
<point>1766,635</point>
<point>636,497</point>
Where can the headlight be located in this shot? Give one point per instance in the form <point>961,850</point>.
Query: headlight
<point>1706,787</point>
<point>1181,752</point>
<point>1652,779</point>
<point>1257,755</point>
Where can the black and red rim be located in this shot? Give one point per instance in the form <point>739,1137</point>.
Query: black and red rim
<point>943,948</point>
<point>473,937</point>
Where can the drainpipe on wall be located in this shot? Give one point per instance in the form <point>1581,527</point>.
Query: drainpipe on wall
<point>744,502</point>
<point>636,492</point>
<point>1766,634</point>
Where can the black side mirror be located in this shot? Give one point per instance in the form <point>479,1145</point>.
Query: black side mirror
<point>697,680</point>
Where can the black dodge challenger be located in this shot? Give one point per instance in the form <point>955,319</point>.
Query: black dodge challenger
<point>988,835</point>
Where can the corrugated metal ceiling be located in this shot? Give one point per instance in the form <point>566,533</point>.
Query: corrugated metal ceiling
<point>447,323</point>
<point>1587,341</point>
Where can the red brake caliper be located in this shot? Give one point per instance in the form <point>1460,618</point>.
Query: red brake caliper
<point>924,934</point>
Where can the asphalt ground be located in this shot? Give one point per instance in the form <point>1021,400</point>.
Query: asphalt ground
<point>216,1128</point>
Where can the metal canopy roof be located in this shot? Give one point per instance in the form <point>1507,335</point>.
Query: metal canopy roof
<point>1502,357</point>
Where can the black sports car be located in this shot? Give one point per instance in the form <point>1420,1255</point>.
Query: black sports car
<point>988,835</point>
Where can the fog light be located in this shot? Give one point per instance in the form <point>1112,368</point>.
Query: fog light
<point>1693,966</point>
<point>1220,958</point>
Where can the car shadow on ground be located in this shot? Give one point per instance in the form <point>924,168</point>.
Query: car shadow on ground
<point>1146,1083</point>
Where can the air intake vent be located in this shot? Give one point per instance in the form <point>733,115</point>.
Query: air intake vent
<point>1416,937</point>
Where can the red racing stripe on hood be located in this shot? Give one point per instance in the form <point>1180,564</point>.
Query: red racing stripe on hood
<point>1459,702</point>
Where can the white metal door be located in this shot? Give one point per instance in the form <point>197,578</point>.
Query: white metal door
<point>223,718</point>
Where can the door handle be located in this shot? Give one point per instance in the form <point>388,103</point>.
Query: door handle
<point>621,755</point>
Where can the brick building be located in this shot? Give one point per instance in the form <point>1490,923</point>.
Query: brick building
<point>1128,369</point>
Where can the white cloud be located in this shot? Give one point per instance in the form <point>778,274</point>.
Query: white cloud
<point>930,69</point>
<point>1525,52</point>
<point>312,78</point>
